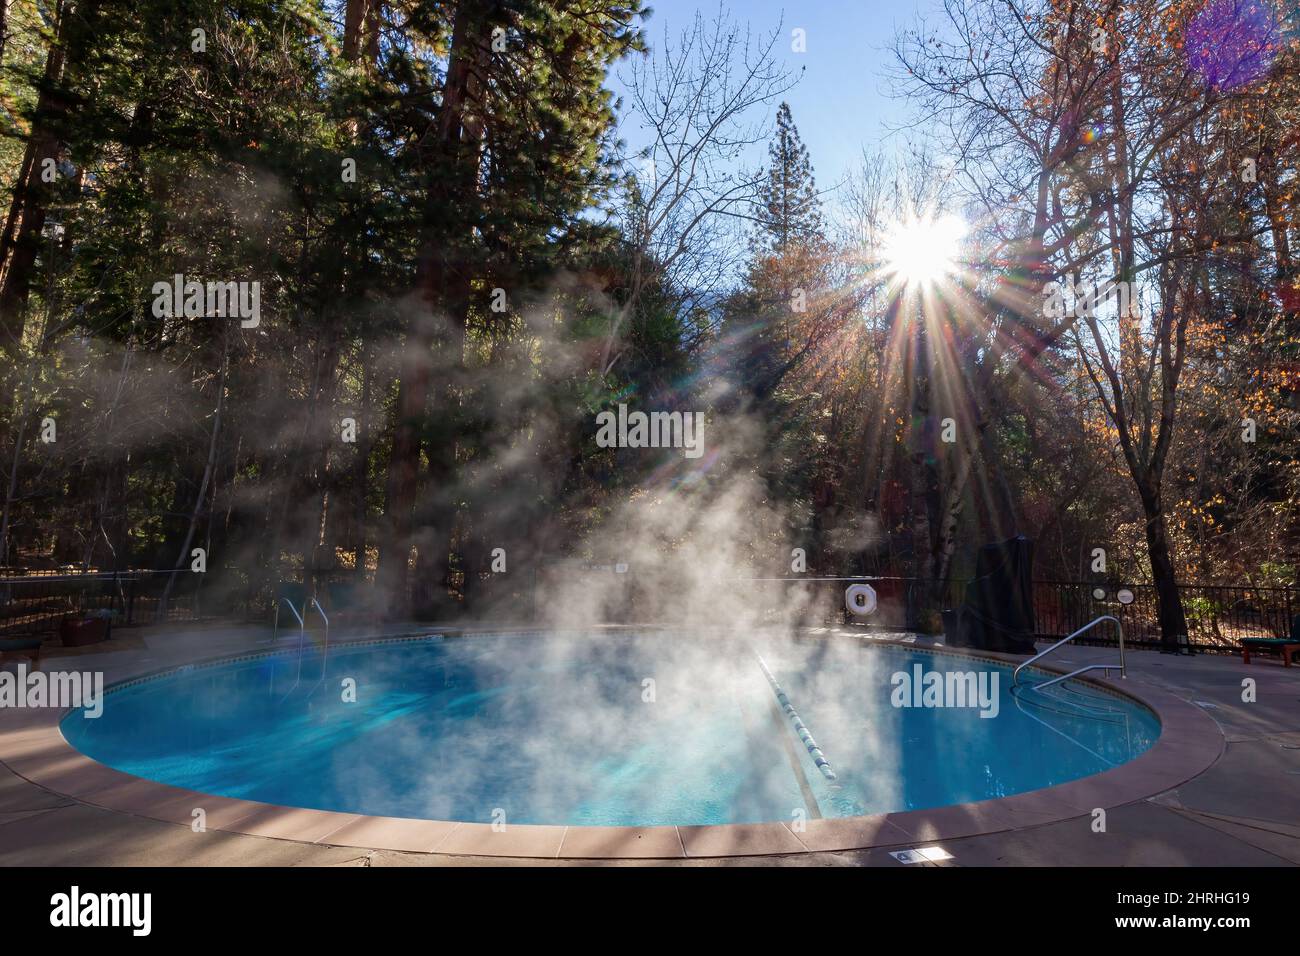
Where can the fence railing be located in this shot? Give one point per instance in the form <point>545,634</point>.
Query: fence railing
<point>38,603</point>
<point>1218,616</point>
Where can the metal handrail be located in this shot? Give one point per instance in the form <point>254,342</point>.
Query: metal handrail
<point>275,635</point>
<point>1123,672</point>
<point>325,654</point>
<point>1091,667</point>
<point>321,611</point>
<point>302,637</point>
<point>302,641</point>
<point>302,625</point>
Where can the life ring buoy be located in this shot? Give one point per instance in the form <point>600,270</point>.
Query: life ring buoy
<point>860,599</point>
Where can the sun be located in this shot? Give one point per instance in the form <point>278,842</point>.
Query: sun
<point>923,251</point>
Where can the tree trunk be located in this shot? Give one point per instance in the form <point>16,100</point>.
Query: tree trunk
<point>1173,624</point>
<point>361,23</point>
<point>317,478</point>
<point>437,513</point>
<point>4,28</point>
<point>19,428</point>
<point>453,147</point>
<point>949,519</point>
<point>1274,206</point>
<point>403,467</point>
<point>361,477</point>
<point>924,482</point>
<point>119,527</point>
<point>197,512</point>
<point>20,242</point>
<point>113,480</point>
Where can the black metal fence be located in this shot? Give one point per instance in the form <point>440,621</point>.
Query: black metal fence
<point>38,603</point>
<point>1218,616</point>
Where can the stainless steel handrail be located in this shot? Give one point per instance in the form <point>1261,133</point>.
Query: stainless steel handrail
<point>1075,673</point>
<point>302,625</point>
<point>1123,672</point>
<point>275,635</point>
<point>321,611</point>
<point>302,638</point>
<point>325,655</point>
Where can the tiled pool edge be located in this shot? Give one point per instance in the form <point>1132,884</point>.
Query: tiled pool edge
<point>33,747</point>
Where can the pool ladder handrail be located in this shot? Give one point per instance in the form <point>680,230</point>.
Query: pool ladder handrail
<point>302,640</point>
<point>1123,671</point>
<point>302,625</point>
<point>325,653</point>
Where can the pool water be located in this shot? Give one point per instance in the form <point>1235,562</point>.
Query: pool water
<point>637,729</point>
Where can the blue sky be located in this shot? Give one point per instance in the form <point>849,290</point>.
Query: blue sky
<point>841,102</point>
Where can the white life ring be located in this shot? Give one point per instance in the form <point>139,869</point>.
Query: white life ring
<point>860,599</point>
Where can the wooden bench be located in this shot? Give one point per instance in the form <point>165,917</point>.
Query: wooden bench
<point>28,647</point>
<point>1285,645</point>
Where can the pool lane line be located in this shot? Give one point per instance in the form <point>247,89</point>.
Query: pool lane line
<point>792,757</point>
<point>787,747</point>
<point>800,727</point>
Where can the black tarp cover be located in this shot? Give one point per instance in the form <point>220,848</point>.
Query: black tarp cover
<point>998,612</point>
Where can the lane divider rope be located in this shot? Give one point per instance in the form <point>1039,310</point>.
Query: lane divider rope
<point>800,728</point>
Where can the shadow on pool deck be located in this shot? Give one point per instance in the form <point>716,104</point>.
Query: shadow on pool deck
<point>1242,811</point>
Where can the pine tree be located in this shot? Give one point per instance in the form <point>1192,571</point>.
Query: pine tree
<point>789,213</point>
<point>778,305</point>
<point>515,151</point>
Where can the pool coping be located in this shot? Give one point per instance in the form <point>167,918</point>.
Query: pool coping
<point>33,746</point>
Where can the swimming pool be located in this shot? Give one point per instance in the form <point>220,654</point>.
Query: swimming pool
<point>643,729</point>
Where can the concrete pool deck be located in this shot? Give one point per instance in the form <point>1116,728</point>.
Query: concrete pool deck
<point>1222,787</point>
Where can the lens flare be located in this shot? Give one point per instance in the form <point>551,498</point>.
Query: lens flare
<point>921,252</point>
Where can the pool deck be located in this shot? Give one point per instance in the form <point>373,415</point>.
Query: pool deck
<point>1220,788</point>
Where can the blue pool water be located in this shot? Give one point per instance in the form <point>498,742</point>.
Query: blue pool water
<point>651,729</point>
